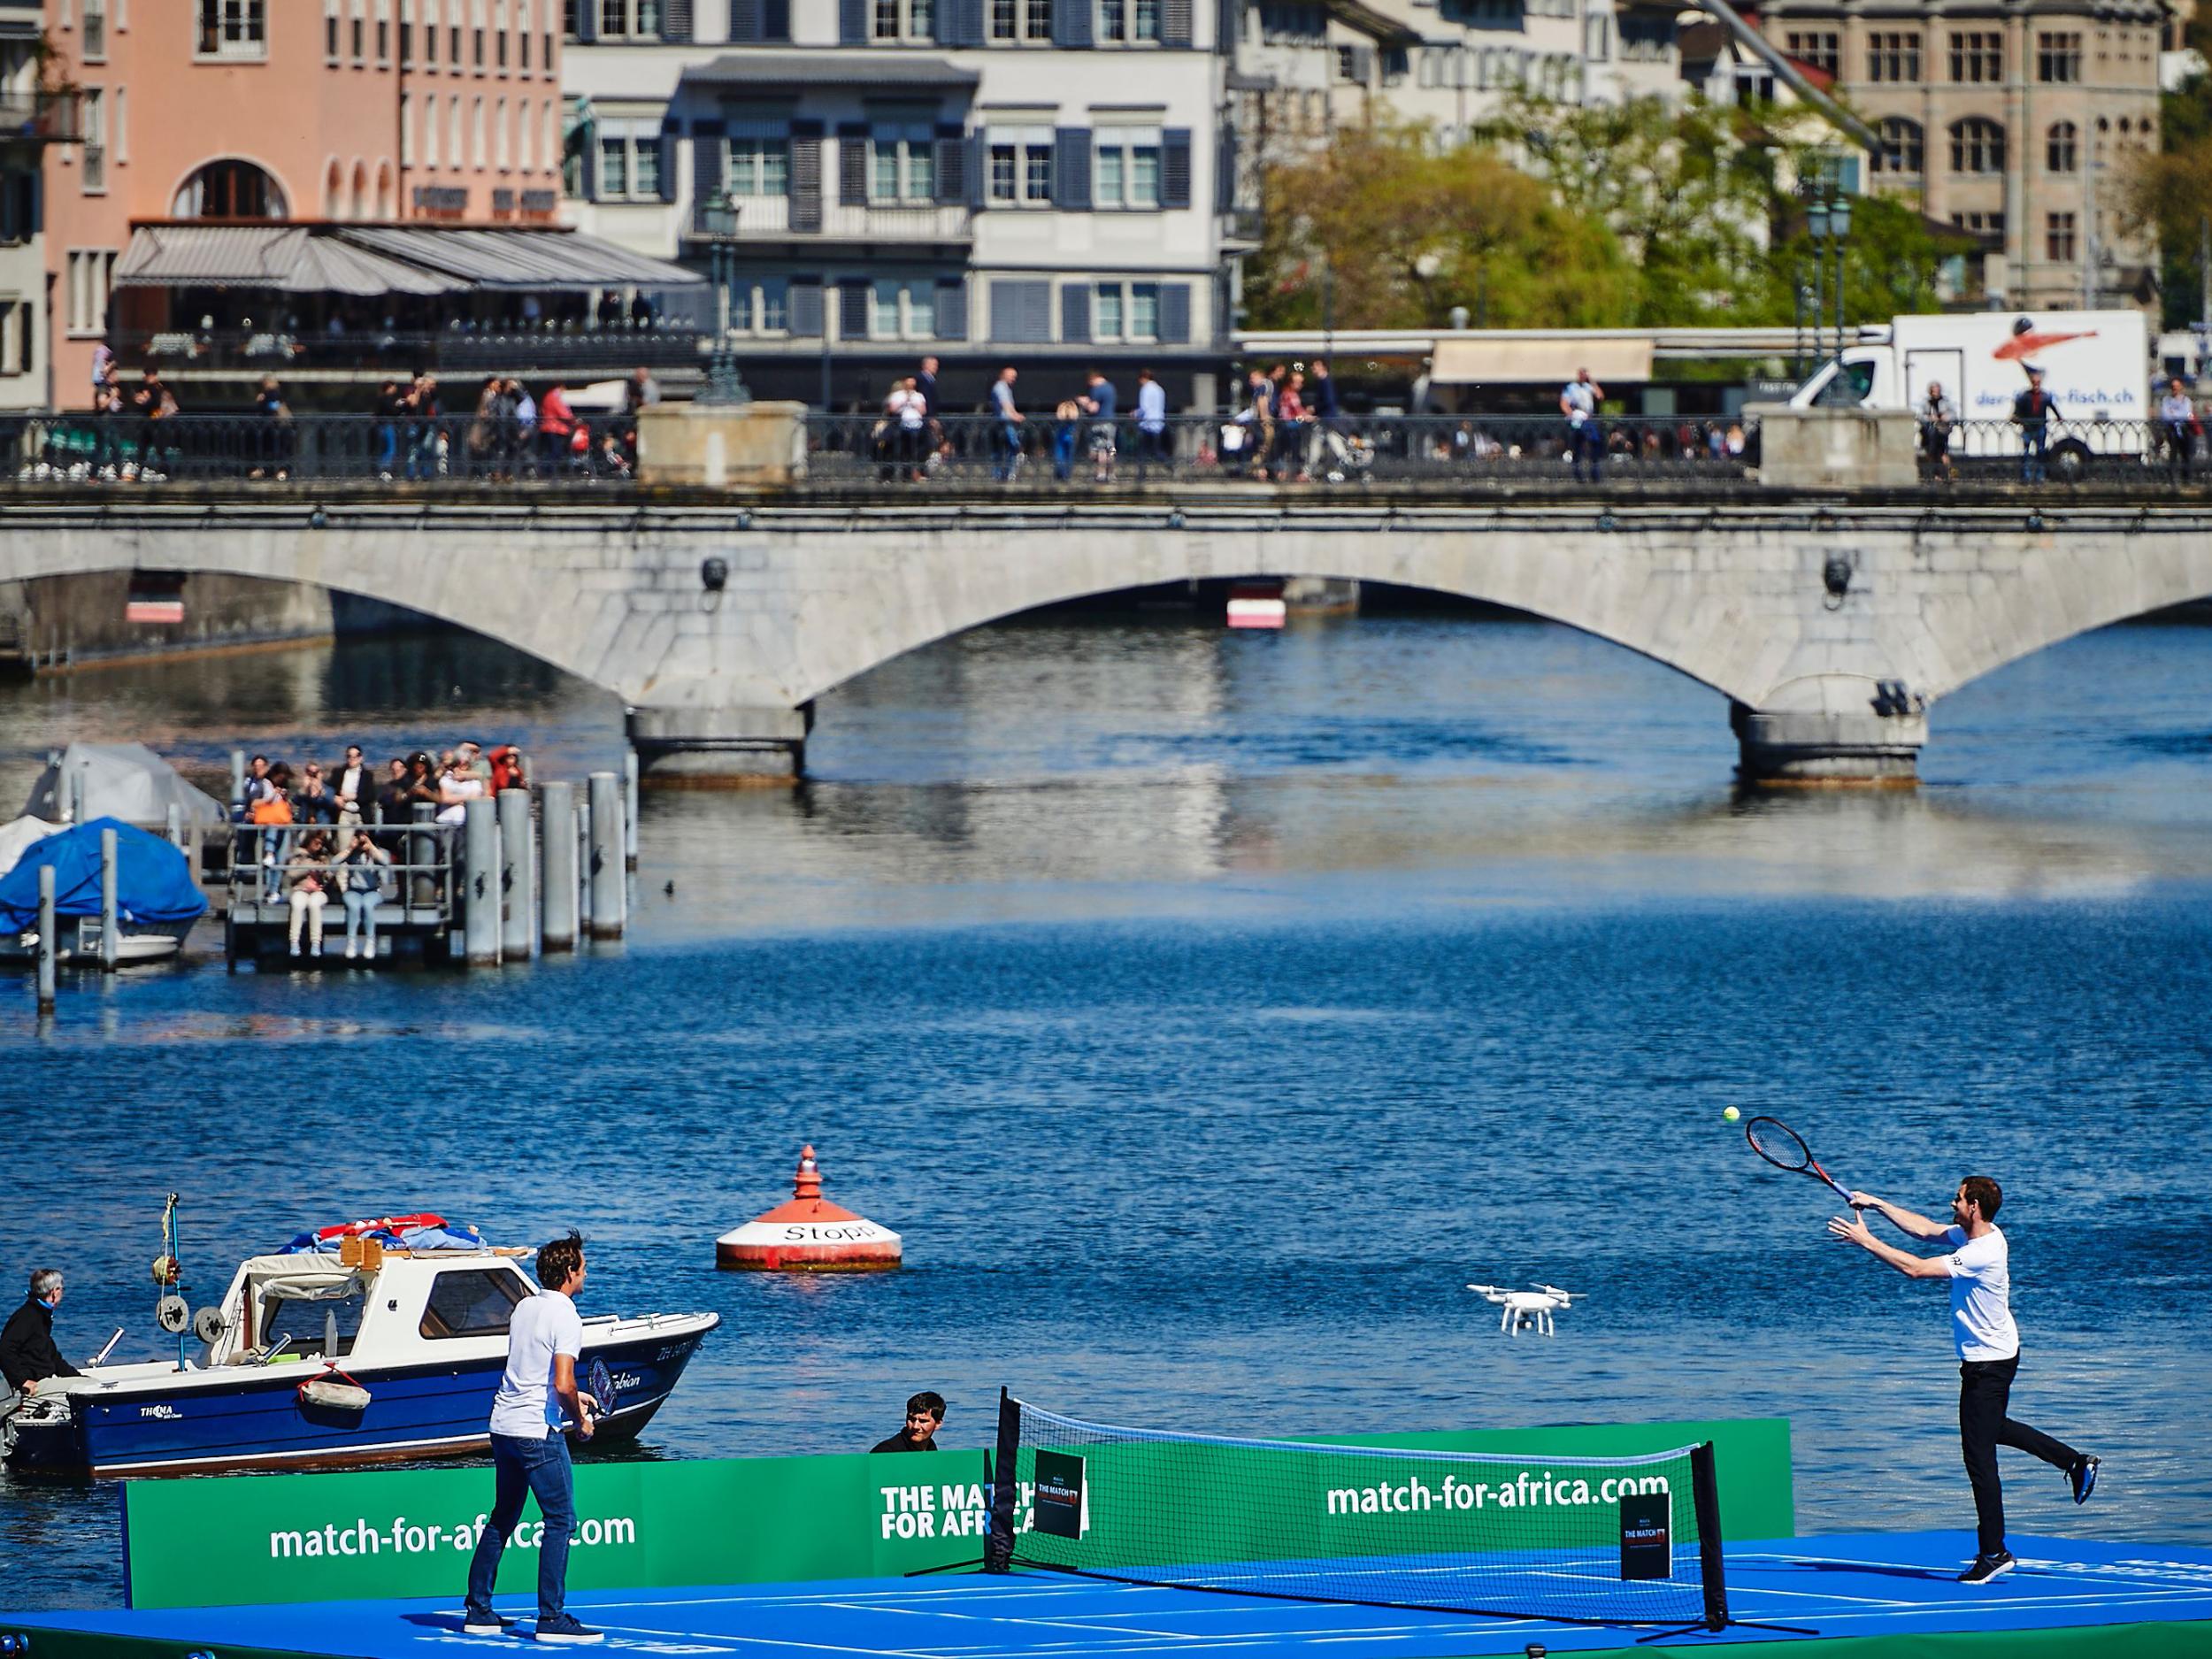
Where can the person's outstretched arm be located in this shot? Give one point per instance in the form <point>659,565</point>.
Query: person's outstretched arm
<point>1904,1260</point>
<point>1907,1222</point>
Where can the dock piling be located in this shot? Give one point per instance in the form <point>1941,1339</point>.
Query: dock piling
<point>629,809</point>
<point>608,884</point>
<point>237,781</point>
<point>76,794</point>
<point>480,891</point>
<point>47,943</point>
<point>422,852</point>
<point>110,919</point>
<point>175,826</point>
<point>519,910</point>
<point>556,816</point>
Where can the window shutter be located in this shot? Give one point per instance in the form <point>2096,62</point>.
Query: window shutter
<point>708,151</point>
<point>745,21</point>
<point>852,22</point>
<point>1021,312</point>
<point>1225,170</point>
<point>775,20</point>
<point>805,208</point>
<point>970,22</point>
<point>803,306</point>
<point>675,19</point>
<point>1175,23</point>
<point>944,28</point>
<point>1072,22</point>
<point>852,164</point>
<point>852,309</point>
<point>1175,314</point>
<point>587,22</point>
<point>1075,314</point>
<point>952,308</point>
<point>1071,166</point>
<point>979,171</point>
<point>952,166</point>
<point>1175,168</point>
<point>1036,309</point>
<point>1227,18</point>
<point>667,141</point>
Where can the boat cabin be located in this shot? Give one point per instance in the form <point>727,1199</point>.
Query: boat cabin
<point>394,1305</point>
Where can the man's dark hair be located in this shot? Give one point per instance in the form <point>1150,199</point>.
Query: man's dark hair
<point>930,1400</point>
<point>557,1260</point>
<point>1983,1194</point>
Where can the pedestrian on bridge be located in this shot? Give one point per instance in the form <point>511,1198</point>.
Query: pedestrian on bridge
<point>1579,403</point>
<point>1009,426</point>
<point>2031,412</point>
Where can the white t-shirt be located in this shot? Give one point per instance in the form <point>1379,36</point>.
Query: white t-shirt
<point>1581,399</point>
<point>1981,1292</point>
<point>546,1325</point>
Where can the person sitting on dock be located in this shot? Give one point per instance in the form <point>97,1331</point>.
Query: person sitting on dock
<point>924,1416</point>
<point>363,868</point>
<point>271,808</point>
<point>27,1354</point>
<point>307,879</point>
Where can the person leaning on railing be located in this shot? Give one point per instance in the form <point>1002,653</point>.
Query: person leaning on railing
<point>2179,429</point>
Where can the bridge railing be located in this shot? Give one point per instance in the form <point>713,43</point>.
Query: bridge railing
<point>2067,451</point>
<point>1045,449</point>
<point>89,450</point>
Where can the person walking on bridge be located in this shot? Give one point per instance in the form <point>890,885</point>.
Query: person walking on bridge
<point>1579,402</point>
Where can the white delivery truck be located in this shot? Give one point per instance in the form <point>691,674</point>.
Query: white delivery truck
<point>2096,367</point>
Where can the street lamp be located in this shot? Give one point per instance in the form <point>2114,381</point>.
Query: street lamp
<point>717,220</point>
<point>1828,219</point>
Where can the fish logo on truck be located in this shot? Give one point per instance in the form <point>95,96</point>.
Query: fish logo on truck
<point>2027,340</point>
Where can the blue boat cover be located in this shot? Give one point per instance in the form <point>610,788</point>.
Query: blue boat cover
<point>401,1233</point>
<point>153,882</point>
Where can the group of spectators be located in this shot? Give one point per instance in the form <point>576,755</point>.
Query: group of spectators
<point>328,831</point>
<point>911,437</point>
<point>508,434</point>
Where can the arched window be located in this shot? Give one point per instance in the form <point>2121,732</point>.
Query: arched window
<point>334,191</point>
<point>384,201</point>
<point>360,189</point>
<point>499,134</point>
<point>231,190</point>
<point>1902,149</point>
<point>2062,150</point>
<point>1978,145</point>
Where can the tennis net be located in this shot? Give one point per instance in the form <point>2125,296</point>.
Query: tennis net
<point>1586,1541</point>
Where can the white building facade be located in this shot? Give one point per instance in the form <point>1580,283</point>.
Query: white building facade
<point>27,123</point>
<point>1029,181</point>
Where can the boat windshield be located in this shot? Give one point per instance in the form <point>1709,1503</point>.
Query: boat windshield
<point>321,1319</point>
<point>473,1302</point>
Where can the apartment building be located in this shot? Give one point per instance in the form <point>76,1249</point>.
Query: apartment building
<point>233,110</point>
<point>2010,123</point>
<point>31,120</point>
<point>1025,181</point>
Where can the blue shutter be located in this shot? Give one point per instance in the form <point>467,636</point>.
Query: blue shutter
<point>1072,22</point>
<point>852,164</point>
<point>587,22</point>
<point>852,309</point>
<point>708,151</point>
<point>1072,168</point>
<point>1228,18</point>
<point>1175,168</point>
<point>805,208</point>
<point>746,21</point>
<point>1175,22</point>
<point>667,141</point>
<point>1175,314</point>
<point>1075,314</point>
<point>803,307</point>
<point>1225,169</point>
<point>952,166</point>
<point>952,308</point>
<point>775,21</point>
<point>676,19</point>
<point>852,22</point>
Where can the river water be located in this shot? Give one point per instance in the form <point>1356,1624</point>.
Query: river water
<point>1207,1010</point>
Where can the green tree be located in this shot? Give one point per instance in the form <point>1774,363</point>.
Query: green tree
<point>2168,192</point>
<point>1388,231</point>
<point>1892,264</point>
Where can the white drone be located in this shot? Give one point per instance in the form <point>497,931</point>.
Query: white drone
<point>1531,1309</point>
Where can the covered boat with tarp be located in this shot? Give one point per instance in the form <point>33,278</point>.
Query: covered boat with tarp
<point>156,900</point>
<point>124,780</point>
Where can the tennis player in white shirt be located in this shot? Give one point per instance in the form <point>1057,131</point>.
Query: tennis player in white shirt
<point>1988,1345</point>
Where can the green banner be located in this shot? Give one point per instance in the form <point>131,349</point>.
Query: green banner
<point>653,1526</point>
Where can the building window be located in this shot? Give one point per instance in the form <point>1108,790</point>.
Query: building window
<point>1125,21</point>
<point>476,133</point>
<point>2058,237</point>
<point>902,165</point>
<point>1978,145</point>
<point>629,166</point>
<point>2062,149</point>
<point>91,277</point>
<point>229,189</point>
<point>1037,19</point>
<point>234,28</point>
<point>2058,58</point>
<point>1126,311</point>
<point>757,305</point>
<point>758,166</point>
<point>1021,168</point>
<point>1128,170</point>
<point>430,33</point>
<point>1893,57</point>
<point>1902,149</point>
<point>93,38</point>
<point>93,167</point>
<point>15,338</point>
<point>500,157</point>
<point>905,19</point>
<point>457,132</point>
<point>903,310</point>
<point>629,19</point>
<point>360,33</point>
<point>1980,224</point>
<point>1005,19</point>
<point>1978,56</point>
<point>1822,49</point>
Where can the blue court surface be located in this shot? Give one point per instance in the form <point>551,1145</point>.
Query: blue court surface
<point>1860,1585</point>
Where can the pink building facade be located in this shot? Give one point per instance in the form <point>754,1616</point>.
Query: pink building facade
<point>387,110</point>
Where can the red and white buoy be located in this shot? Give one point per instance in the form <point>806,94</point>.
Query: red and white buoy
<point>810,1232</point>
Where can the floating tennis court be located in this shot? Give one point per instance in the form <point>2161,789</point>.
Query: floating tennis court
<point>1894,1593</point>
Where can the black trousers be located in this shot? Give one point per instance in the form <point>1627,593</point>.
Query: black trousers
<point>1984,1390</point>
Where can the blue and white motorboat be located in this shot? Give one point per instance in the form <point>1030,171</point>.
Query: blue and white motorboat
<point>156,899</point>
<point>314,1357</point>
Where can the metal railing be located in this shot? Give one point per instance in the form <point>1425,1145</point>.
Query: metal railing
<point>422,880</point>
<point>2000,452</point>
<point>90,449</point>
<point>46,117</point>
<point>1048,449</point>
<point>747,216</point>
<point>580,353</point>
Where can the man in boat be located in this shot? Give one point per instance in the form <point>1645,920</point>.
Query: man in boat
<point>27,1354</point>
<point>924,1416</point>
<point>529,1454</point>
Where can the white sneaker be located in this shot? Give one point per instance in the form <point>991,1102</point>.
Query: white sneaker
<point>352,950</point>
<point>316,949</point>
<point>295,950</point>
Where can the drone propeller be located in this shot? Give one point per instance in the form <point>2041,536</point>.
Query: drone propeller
<point>1489,1290</point>
<point>1565,1295</point>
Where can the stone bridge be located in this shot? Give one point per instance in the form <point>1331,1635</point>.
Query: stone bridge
<point>1830,625</point>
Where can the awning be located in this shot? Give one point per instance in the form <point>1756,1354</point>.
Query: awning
<point>502,259</point>
<point>1538,361</point>
<point>1384,31</point>
<point>789,72</point>
<point>284,257</point>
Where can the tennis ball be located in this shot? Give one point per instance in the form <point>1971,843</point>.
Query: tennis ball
<point>1730,1115</point>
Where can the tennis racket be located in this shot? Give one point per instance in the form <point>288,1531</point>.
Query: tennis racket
<point>1785,1148</point>
<point>600,1386</point>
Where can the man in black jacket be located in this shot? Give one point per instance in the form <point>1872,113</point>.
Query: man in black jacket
<point>27,1354</point>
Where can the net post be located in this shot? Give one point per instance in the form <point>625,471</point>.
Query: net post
<point>998,1544</point>
<point>1705,1495</point>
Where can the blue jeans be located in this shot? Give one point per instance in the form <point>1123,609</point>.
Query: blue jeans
<point>2035,449</point>
<point>527,1468</point>
<point>1011,451</point>
<point>361,916</point>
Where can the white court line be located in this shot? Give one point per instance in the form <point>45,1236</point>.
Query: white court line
<point>736,1639</point>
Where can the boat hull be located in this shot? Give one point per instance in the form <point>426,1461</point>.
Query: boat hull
<point>260,1420</point>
